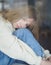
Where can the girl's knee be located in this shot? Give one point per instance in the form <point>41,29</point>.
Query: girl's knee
<point>22,30</point>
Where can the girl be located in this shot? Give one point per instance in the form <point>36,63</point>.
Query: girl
<point>13,47</point>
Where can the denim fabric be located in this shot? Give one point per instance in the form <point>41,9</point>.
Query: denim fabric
<point>5,60</point>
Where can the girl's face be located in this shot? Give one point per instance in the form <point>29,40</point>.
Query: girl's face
<point>22,23</point>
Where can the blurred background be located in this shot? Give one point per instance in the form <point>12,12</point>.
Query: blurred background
<point>40,10</point>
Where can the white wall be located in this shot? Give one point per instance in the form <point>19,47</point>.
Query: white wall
<point>0,6</point>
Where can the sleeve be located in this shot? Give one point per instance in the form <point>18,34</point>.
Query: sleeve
<point>47,54</point>
<point>16,48</point>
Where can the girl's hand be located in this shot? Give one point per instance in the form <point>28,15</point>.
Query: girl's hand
<point>49,59</point>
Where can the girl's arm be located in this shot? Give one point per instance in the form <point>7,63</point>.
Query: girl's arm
<point>14,47</point>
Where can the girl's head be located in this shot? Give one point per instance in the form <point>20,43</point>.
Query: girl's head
<point>22,23</point>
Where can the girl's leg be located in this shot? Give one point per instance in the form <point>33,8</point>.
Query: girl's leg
<point>5,60</point>
<point>26,36</point>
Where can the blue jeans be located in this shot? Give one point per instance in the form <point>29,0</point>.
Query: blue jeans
<point>5,60</point>
<point>26,36</point>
